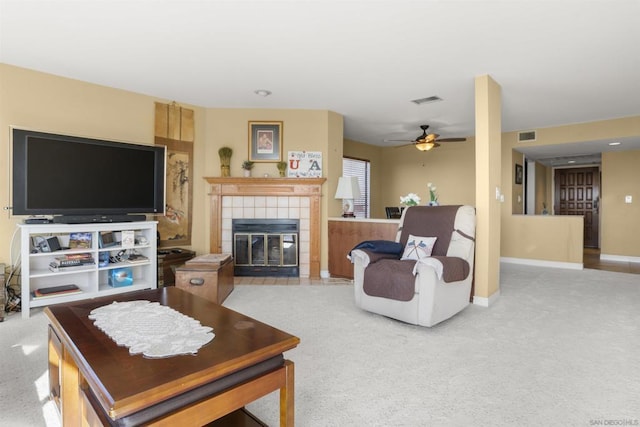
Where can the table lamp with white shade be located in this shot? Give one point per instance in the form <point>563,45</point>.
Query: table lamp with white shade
<point>348,189</point>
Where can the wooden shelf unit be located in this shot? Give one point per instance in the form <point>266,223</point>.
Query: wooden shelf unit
<point>92,279</point>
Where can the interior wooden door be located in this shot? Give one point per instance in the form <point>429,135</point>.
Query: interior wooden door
<point>577,192</point>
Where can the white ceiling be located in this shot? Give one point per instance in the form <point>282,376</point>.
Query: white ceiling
<point>558,62</point>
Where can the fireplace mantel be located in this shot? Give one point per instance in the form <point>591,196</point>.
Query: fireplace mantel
<point>287,187</point>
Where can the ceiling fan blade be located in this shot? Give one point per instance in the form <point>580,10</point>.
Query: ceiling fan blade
<point>452,139</point>
<point>425,138</point>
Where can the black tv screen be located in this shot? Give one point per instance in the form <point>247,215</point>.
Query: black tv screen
<point>67,175</point>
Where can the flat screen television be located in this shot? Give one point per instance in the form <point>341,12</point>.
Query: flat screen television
<point>85,178</point>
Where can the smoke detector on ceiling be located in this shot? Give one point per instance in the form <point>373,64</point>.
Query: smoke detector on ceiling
<point>527,136</point>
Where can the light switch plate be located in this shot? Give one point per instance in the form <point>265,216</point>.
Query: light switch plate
<point>628,199</point>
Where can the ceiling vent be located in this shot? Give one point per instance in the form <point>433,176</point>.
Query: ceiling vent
<point>427,100</point>
<point>527,136</point>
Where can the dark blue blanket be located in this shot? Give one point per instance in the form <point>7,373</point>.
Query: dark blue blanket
<point>380,246</point>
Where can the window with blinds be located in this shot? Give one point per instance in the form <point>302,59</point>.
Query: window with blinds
<point>361,169</point>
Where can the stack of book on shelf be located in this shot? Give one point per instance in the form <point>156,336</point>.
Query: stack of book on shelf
<point>56,291</point>
<point>136,259</point>
<point>71,262</point>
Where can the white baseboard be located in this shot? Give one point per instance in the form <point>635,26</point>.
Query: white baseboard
<point>324,274</point>
<point>621,258</point>
<point>486,302</point>
<point>543,263</point>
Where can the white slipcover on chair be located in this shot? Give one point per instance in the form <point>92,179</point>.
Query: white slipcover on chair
<point>431,289</point>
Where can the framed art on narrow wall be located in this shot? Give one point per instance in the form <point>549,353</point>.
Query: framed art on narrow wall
<point>519,174</point>
<point>175,226</point>
<point>265,141</point>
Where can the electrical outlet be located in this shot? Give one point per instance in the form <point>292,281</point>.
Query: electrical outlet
<point>628,199</point>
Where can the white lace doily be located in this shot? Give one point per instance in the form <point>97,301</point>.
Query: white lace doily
<point>151,329</point>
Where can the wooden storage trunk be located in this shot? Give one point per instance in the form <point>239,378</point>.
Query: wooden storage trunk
<point>209,276</point>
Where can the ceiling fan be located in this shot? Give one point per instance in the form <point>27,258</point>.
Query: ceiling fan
<point>427,141</point>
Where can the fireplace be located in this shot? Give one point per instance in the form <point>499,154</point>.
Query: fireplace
<point>266,247</point>
<point>274,198</point>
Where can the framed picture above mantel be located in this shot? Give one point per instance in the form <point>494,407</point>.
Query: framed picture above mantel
<point>265,141</point>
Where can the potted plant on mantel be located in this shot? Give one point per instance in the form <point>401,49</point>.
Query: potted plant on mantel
<point>247,165</point>
<point>225,160</point>
<point>282,168</point>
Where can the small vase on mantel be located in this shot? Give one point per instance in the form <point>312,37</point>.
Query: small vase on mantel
<point>282,168</point>
<point>225,161</point>
<point>247,165</point>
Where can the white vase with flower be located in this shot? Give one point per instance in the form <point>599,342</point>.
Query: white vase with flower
<point>433,196</point>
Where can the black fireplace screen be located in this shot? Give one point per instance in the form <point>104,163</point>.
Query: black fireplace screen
<point>266,247</point>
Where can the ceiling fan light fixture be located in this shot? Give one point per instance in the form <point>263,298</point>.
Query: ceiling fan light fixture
<point>426,146</point>
<point>427,138</point>
<point>427,141</point>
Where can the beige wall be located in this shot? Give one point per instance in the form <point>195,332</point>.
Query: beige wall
<point>592,131</point>
<point>333,170</point>
<point>313,130</point>
<point>620,231</point>
<point>560,242</point>
<point>556,239</point>
<point>543,238</point>
<point>517,190</point>
<point>55,104</point>
<point>541,186</point>
<point>488,114</point>
<point>402,170</point>
<point>542,194</point>
<point>301,130</point>
<point>48,103</point>
<point>526,236</point>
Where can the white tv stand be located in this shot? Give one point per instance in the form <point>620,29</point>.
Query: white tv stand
<point>91,279</point>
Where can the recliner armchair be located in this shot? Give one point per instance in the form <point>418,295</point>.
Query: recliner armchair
<point>389,280</point>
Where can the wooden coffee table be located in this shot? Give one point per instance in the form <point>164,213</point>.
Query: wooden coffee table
<point>97,382</point>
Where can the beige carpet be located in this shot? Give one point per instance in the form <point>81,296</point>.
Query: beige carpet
<point>559,348</point>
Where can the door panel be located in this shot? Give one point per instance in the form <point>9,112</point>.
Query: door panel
<point>577,192</point>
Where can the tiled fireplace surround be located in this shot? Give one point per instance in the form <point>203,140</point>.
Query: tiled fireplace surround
<point>270,198</point>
